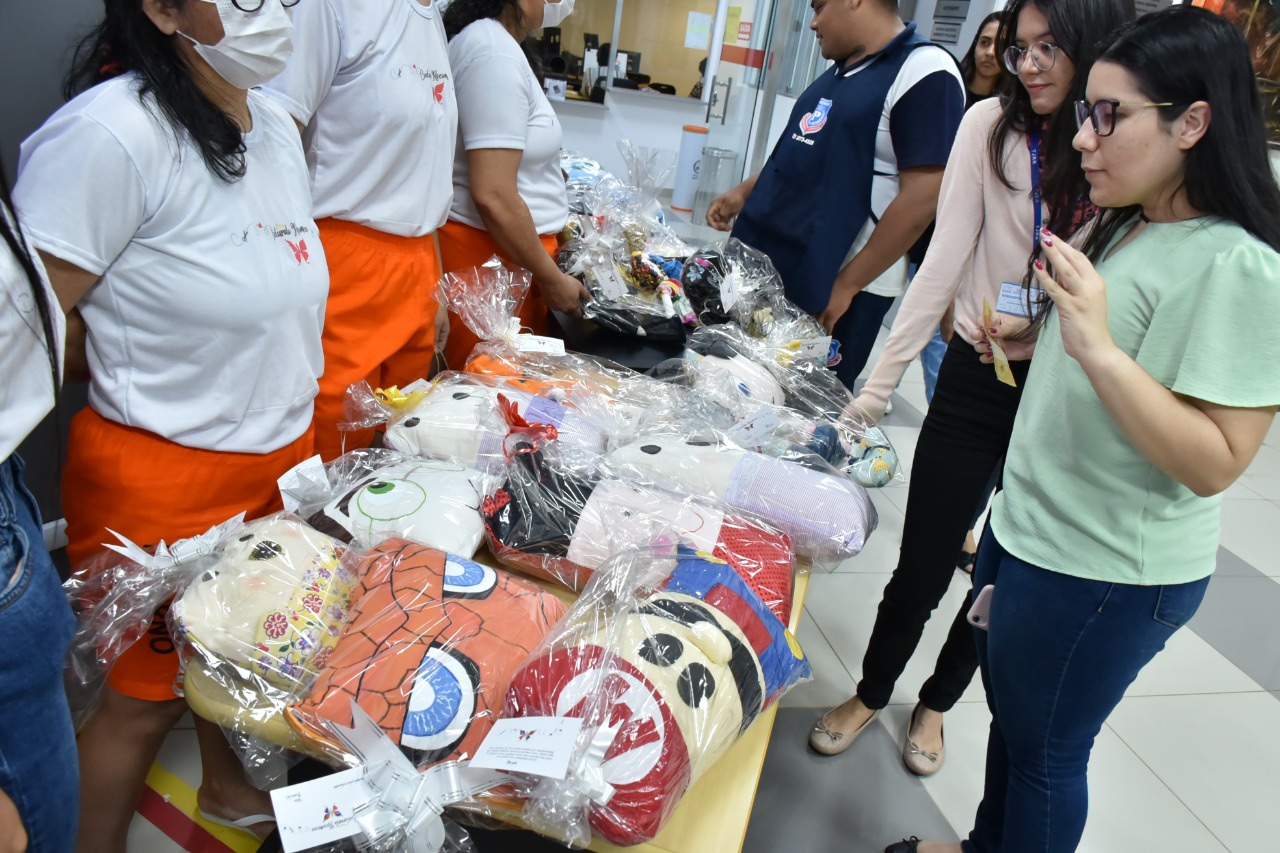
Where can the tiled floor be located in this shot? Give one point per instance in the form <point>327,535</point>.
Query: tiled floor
<point>1186,764</point>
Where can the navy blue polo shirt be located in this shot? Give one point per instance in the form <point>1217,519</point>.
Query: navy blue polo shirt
<point>815,192</point>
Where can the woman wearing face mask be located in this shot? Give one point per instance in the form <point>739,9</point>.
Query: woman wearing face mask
<point>172,210</point>
<point>508,192</point>
<point>370,86</point>
<point>38,780</point>
<point>1160,357</point>
<point>991,205</point>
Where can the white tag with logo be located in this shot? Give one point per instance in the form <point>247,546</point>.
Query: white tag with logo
<point>754,431</point>
<point>307,471</point>
<point>814,348</point>
<point>321,811</point>
<point>538,343</point>
<point>541,746</point>
<point>729,291</point>
<point>611,284</point>
<point>1013,299</point>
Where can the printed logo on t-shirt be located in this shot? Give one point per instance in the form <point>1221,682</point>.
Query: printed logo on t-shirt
<point>816,120</point>
<point>292,237</point>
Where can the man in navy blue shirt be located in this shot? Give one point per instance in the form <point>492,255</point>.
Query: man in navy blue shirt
<point>853,182</point>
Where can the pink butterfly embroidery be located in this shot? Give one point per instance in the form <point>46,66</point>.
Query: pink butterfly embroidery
<point>300,252</point>
<point>439,93</point>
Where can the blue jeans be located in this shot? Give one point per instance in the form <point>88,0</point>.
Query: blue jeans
<point>38,766</point>
<point>931,360</point>
<point>1060,654</point>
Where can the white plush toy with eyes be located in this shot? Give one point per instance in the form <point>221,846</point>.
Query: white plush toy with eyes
<point>427,501</point>
<point>460,421</point>
<point>827,516</point>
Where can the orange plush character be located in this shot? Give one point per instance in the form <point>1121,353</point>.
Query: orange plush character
<point>430,647</point>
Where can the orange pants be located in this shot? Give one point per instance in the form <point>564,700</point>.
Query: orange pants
<point>463,247</point>
<point>148,488</point>
<point>379,323</point>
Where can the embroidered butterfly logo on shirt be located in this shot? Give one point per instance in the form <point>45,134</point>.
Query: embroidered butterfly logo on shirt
<point>816,120</point>
<point>300,252</point>
<point>438,91</point>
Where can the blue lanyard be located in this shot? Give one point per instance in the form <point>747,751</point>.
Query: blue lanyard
<point>1033,141</point>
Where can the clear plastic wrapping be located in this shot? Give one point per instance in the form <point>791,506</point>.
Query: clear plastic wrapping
<point>428,649</point>
<point>456,418</point>
<point>370,495</point>
<point>813,407</point>
<point>559,524</point>
<point>731,282</point>
<point>827,515</point>
<point>667,657</point>
<point>258,624</point>
<point>115,595</point>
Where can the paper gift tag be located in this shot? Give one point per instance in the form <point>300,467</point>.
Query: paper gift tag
<point>1003,372</point>
<point>729,291</point>
<point>541,746</point>
<point>753,431</point>
<point>611,284</point>
<point>321,811</point>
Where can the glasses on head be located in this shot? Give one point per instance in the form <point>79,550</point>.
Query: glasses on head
<point>1103,113</point>
<point>251,6</point>
<point>1043,55</point>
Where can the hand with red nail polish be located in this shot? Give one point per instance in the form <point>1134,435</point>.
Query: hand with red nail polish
<point>1080,297</point>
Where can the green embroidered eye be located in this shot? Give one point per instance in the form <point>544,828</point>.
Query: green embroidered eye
<point>382,488</point>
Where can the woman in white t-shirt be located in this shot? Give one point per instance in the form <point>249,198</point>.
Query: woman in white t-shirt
<point>370,86</point>
<point>172,210</point>
<point>38,780</point>
<point>509,196</point>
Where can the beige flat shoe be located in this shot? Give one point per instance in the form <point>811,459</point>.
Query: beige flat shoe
<point>829,741</point>
<point>917,760</point>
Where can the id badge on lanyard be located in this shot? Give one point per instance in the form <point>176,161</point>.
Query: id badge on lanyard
<point>1037,195</point>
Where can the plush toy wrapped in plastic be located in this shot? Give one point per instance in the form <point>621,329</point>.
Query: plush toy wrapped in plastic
<point>667,658</point>
<point>556,523</point>
<point>115,595</point>
<point>730,282</point>
<point>256,626</point>
<point>456,418</point>
<point>827,515</point>
<point>427,650</point>
<point>812,406</point>
<point>370,495</point>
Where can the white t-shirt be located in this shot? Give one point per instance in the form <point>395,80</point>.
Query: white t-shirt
<point>920,63</point>
<point>504,107</point>
<point>370,80</point>
<point>205,325</point>
<point>26,394</point>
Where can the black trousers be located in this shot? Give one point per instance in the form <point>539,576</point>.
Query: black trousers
<point>961,446</point>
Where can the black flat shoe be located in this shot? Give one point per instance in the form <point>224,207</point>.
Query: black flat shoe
<point>906,845</point>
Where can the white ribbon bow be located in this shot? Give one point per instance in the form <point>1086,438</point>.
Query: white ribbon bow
<point>590,767</point>
<point>405,800</point>
<point>182,551</point>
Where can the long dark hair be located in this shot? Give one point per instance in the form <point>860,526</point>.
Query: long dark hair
<point>22,253</point>
<point>463,13</point>
<point>127,41</point>
<point>1185,54</point>
<point>1079,27</point>
<point>969,65</point>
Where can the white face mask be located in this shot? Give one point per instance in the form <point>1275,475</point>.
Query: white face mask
<point>555,13</point>
<point>255,45</point>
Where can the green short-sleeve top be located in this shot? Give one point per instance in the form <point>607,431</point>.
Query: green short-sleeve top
<point>1197,305</point>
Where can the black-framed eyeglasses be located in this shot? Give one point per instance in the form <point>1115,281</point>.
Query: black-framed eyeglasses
<point>1043,55</point>
<point>1103,113</point>
<point>251,6</point>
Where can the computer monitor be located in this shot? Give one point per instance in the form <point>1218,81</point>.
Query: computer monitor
<point>633,62</point>
<point>590,42</point>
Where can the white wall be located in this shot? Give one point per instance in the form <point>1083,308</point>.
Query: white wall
<point>645,118</point>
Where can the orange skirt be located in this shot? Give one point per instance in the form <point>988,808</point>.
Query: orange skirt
<point>148,488</point>
<point>379,322</point>
<point>463,247</point>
